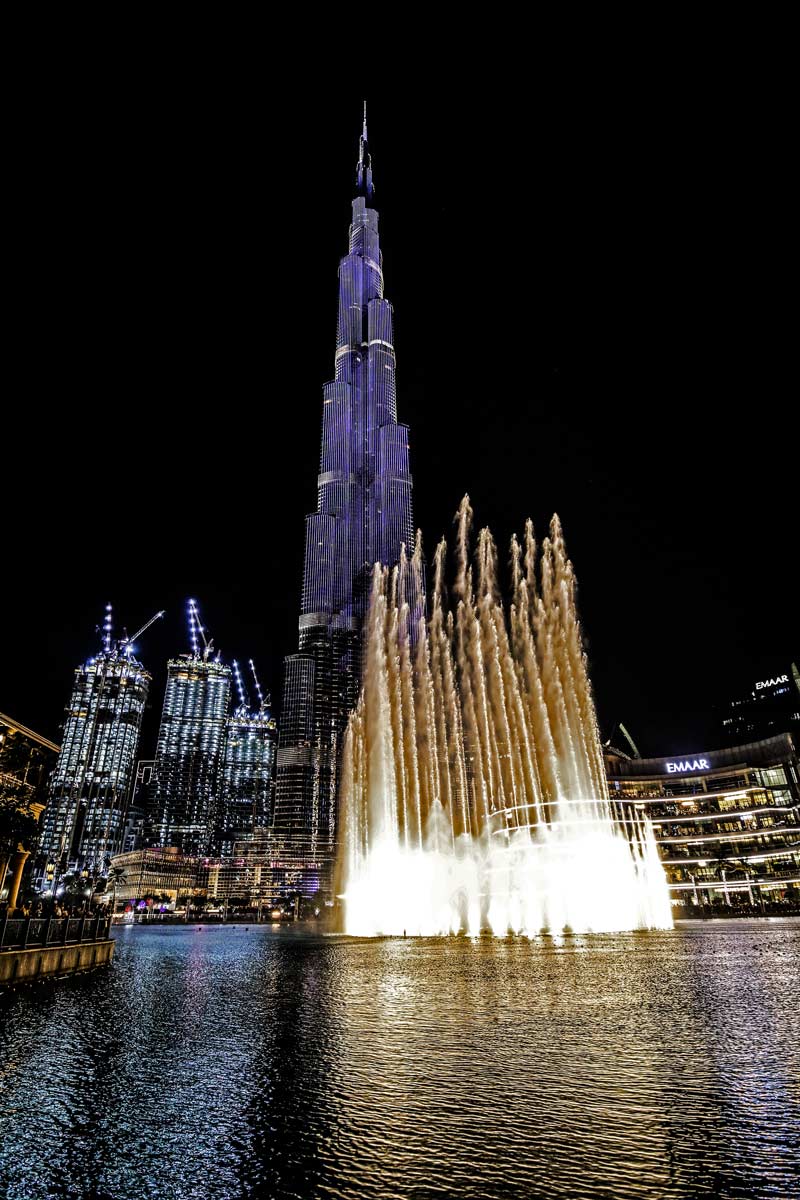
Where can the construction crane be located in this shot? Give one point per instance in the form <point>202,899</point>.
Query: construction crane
<point>244,699</point>
<point>264,702</point>
<point>627,737</point>
<point>126,645</point>
<point>629,740</point>
<point>194,628</point>
<point>108,626</point>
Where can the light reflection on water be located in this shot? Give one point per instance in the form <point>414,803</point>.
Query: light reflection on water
<point>242,1063</point>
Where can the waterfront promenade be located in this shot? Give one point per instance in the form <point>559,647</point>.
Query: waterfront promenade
<point>36,948</point>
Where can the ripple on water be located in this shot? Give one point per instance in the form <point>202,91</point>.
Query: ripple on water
<point>259,1063</point>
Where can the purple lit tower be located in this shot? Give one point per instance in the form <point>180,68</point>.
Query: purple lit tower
<point>363,515</point>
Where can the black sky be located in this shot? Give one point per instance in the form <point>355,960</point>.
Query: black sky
<point>590,318</point>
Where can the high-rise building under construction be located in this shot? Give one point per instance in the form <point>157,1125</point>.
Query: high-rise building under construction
<point>187,789</point>
<point>248,766</point>
<point>83,824</point>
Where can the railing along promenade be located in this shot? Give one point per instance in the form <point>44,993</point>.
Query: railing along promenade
<point>35,948</point>
<point>27,933</point>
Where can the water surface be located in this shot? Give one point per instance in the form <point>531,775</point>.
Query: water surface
<point>234,1062</point>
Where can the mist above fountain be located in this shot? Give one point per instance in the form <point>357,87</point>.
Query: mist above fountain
<point>474,795</point>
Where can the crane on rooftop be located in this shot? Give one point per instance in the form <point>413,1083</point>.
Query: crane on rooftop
<point>126,645</point>
<point>108,628</point>
<point>627,737</point>
<point>264,702</point>
<point>244,699</point>
<point>194,628</point>
<point>123,645</point>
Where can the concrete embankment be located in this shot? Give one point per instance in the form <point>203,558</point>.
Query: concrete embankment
<point>47,962</point>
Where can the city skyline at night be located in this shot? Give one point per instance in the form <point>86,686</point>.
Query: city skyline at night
<point>646,325</point>
<point>209,784</point>
<point>466,871</point>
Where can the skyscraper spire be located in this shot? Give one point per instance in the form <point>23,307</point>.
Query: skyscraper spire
<point>364,185</point>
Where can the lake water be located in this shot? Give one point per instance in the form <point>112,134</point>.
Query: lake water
<point>234,1062</point>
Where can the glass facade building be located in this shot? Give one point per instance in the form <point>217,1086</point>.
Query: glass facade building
<point>727,822</point>
<point>83,824</point>
<point>364,514</point>
<point>256,876</point>
<point>187,787</point>
<point>159,874</point>
<point>140,806</point>
<point>250,742</point>
<point>765,706</point>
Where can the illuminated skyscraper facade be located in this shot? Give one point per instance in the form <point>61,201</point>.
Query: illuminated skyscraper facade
<point>189,754</point>
<point>83,823</point>
<point>364,513</point>
<point>250,743</point>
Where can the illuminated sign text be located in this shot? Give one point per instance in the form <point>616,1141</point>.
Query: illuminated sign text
<point>693,764</point>
<point>772,682</point>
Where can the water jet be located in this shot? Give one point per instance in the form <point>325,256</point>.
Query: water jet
<point>473,794</point>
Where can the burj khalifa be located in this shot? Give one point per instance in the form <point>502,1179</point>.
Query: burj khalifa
<point>363,516</point>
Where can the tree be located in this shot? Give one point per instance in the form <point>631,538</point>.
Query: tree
<point>17,824</point>
<point>116,876</point>
<point>729,870</point>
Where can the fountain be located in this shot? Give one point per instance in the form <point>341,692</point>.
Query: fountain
<point>474,795</point>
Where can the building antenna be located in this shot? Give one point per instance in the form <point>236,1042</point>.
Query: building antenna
<point>265,703</point>
<point>364,184</point>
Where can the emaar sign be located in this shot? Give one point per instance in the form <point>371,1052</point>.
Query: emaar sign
<point>690,764</point>
<point>768,683</point>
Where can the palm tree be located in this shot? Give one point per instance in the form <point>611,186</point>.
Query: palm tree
<point>731,870</point>
<point>116,876</point>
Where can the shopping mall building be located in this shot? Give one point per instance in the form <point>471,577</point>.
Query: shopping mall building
<point>727,822</point>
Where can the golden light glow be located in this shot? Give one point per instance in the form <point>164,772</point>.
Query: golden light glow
<point>474,793</point>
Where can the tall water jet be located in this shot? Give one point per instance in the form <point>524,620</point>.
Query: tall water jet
<point>473,790</point>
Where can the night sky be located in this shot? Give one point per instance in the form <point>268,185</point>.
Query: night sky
<point>590,319</point>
